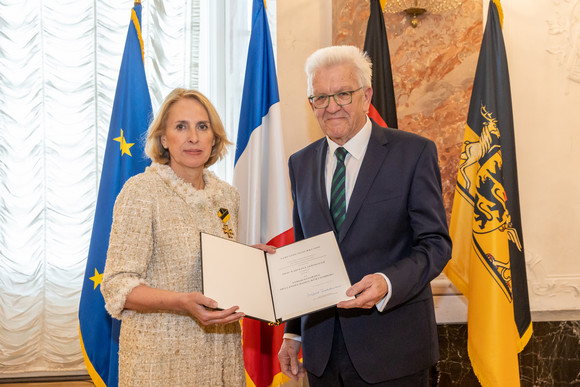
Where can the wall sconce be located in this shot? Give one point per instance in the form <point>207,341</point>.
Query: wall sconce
<point>415,8</point>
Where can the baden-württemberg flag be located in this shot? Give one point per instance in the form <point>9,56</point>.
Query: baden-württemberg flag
<point>488,264</point>
<point>124,157</point>
<point>261,176</point>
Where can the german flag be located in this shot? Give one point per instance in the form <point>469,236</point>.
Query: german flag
<point>488,262</point>
<point>383,109</point>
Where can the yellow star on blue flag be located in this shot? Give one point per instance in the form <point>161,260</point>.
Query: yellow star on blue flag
<point>125,146</point>
<point>97,278</point>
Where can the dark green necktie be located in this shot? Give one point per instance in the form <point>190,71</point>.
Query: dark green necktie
<point>338,191</point>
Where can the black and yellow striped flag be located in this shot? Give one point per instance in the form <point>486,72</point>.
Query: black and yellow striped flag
<point>488,263</point>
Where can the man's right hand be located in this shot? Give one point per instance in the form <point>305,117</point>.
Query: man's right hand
<point>288,357</point>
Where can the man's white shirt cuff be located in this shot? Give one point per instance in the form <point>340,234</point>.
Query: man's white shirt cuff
<point>292,336</point>
<point>383,303</point>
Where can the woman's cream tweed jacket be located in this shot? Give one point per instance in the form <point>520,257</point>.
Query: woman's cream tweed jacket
<point>155,241</point>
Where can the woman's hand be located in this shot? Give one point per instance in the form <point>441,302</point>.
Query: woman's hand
<point>145,299</point>
<point>203,308</point>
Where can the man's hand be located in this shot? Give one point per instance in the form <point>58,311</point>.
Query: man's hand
<point>288,357</point>
<point>368,291</point>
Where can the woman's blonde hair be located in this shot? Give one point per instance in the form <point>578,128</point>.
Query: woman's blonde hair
<point>153,147</point>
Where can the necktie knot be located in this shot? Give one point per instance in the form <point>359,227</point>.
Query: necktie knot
<point>340,154</point>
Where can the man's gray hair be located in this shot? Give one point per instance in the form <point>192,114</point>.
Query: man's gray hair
<point>340,55</point>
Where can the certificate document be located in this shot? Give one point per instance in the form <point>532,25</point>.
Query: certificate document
<point>300,278</point>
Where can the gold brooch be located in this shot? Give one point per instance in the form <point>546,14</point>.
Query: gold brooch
<point>224,215</point>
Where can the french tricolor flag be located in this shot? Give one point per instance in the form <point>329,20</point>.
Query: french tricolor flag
<point>261,177</point>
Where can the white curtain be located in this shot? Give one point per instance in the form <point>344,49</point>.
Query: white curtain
<point>59,62</point>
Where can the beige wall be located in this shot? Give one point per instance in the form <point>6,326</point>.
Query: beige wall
<point>303,26</point>
<point>543,47</point>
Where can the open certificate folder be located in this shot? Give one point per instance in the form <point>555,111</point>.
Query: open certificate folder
<point>298,279</point>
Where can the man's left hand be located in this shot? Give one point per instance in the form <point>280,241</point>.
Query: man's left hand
<point>368,291</point>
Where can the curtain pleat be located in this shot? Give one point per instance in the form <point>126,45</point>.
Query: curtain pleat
<point>59,62</point>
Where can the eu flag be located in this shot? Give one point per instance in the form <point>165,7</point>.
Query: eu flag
<point>124,157</point>
<point>488,263</point>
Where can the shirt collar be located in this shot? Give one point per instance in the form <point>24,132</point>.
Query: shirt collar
<point>357,145</point>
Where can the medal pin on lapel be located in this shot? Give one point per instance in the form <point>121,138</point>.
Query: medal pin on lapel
<point>224,215</point>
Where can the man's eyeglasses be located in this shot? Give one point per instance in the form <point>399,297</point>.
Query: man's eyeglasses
<point>341,99</point>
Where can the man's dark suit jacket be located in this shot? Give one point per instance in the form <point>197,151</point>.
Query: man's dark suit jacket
<point>395,224</point>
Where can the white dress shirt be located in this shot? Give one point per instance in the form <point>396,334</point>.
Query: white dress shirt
<point>356,148</point>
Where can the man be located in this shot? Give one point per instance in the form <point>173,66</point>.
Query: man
<point>390,223</point>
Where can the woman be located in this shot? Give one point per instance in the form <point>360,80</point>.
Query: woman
<point>171,334</point>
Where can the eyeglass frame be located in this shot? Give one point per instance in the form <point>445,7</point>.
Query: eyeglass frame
<point>350,92</point>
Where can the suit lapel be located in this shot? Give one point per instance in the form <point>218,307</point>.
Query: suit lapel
<point>320,182</point>
<point>372,163</point>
